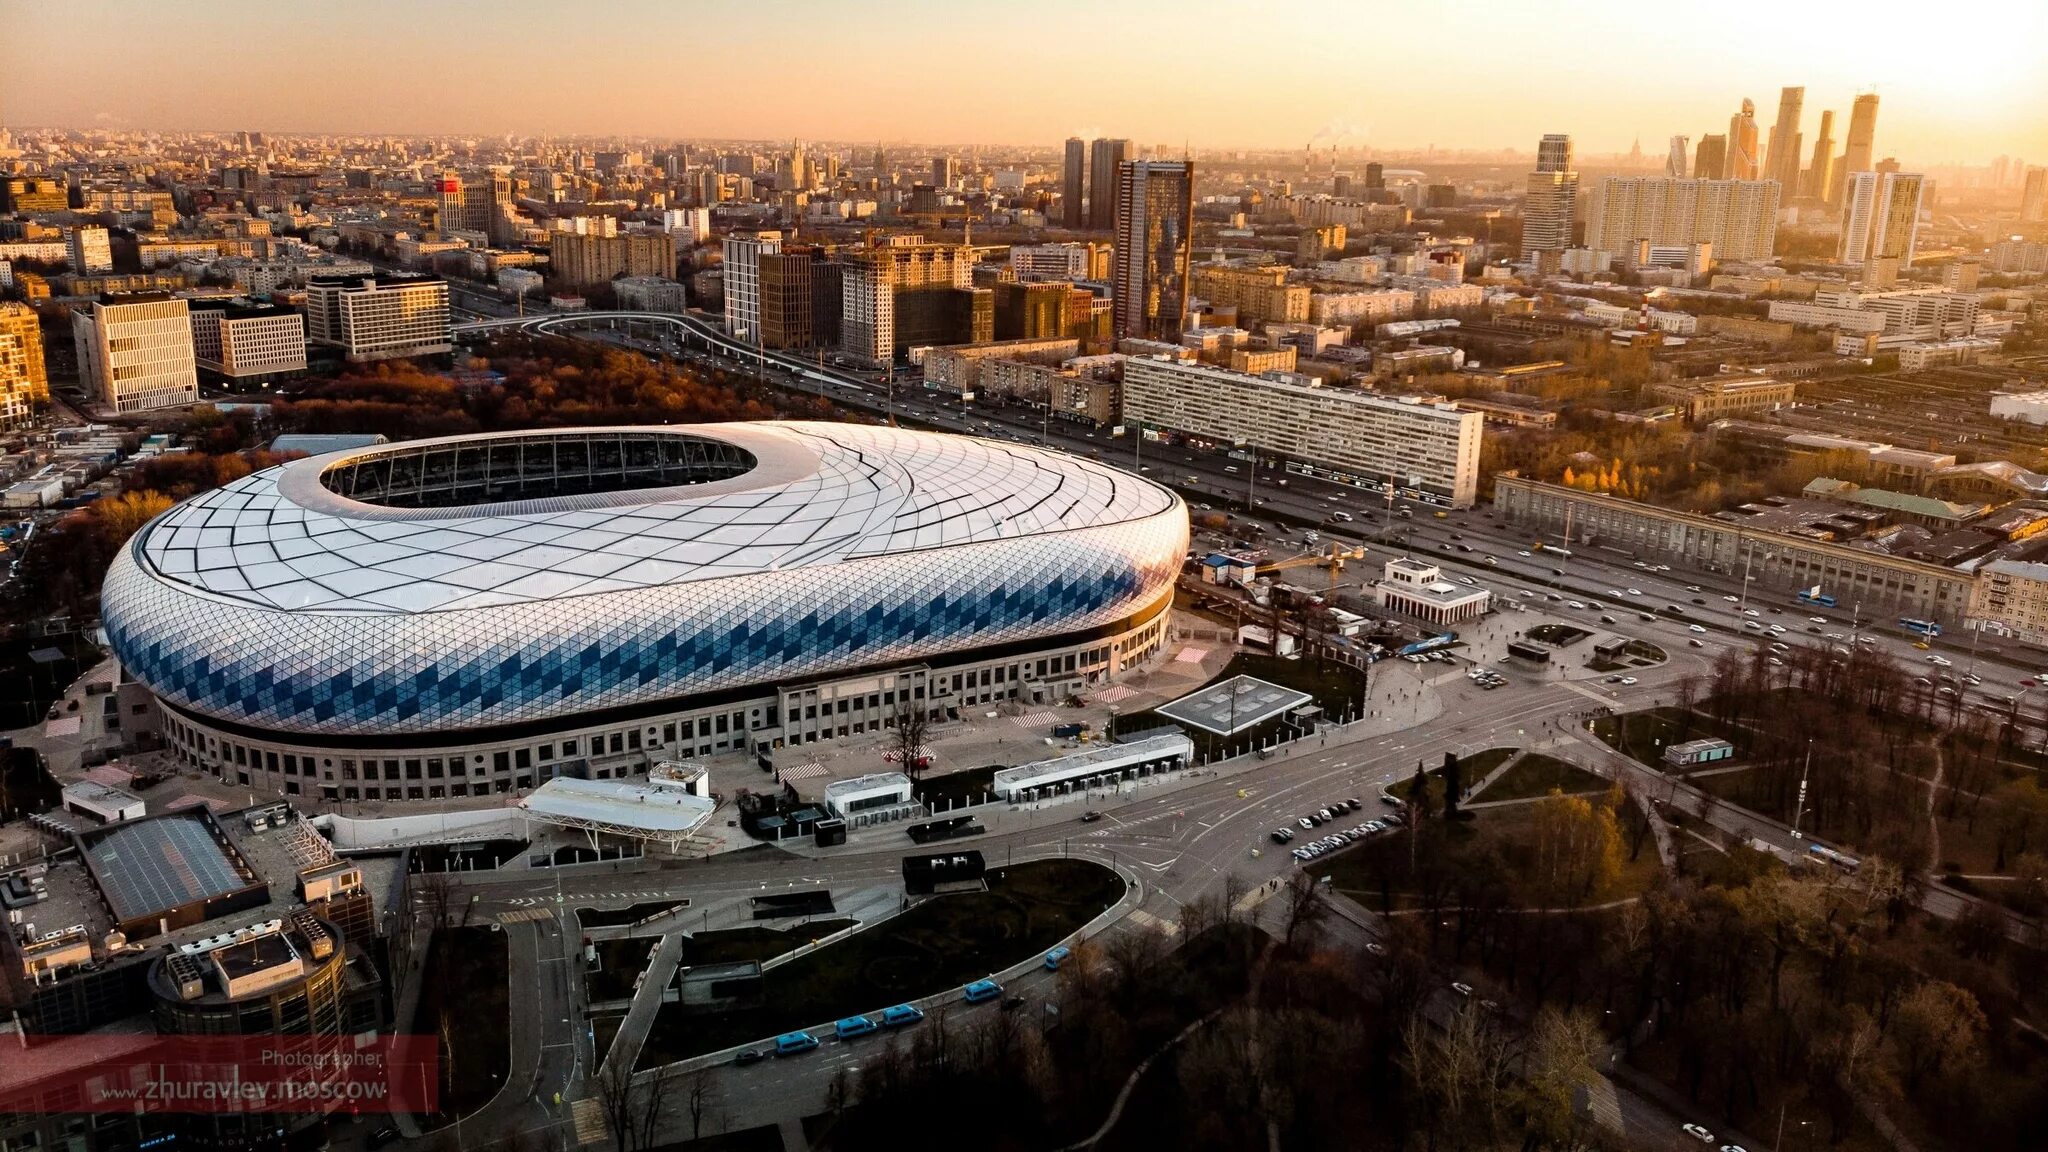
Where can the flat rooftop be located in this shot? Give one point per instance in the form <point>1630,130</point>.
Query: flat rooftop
<point>618,803</point>
<point>1234,705</point>
<point>151,866</point>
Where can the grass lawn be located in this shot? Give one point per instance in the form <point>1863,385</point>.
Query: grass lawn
<point>1477,765</point>
<point>466,999</point>
<point>1642,736</point>
<point>938,944</point>
<point>619,964</point>
<point>613,917</point>
<point>1536,774</point>
<point>730,945</point>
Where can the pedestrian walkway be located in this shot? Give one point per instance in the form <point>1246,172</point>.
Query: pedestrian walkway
<point>661,968</point>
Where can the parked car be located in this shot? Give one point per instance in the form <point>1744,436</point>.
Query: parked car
<point>853,1026</point>
<point>746,1056</point>
<point>901,1015</point>
<point>1698,1133</point>
<point>1056,957</point>
<point>792,1043</point>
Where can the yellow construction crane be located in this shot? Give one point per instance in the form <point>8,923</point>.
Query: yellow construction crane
<point>1331,558</point>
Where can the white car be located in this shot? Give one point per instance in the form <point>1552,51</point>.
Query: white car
<point>1939,661</point>
<point>1816,619</point>
<point>1698,1133</point>
<point>1732,599</point>
<point>1628,681</point>
<point>1752,612</point>
<point>1614,592</point>
<point>1697,628</point>
<point>1752,624</point>
<point>1574,604</point>
<point>1777,629</point>
<point>1524,553</point>
<point>1461,988</point>
<point>1635,591</point>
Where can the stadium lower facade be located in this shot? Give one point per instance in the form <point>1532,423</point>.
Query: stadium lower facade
<point>474,615</point>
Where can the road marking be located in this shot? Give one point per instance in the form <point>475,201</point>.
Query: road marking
<point>590,1124</point>
<point>526,915</point>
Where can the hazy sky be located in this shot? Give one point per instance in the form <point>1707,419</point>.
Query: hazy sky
<point>1392,73</point>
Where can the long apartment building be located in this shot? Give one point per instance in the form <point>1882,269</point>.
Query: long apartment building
<point>248,344</point>
<point>1036,262</point>
<point>135,352</point>
<point>24,381</point>
<point>1903,316</point>
<point>379,317</point>
<point>1259,295</point>
<point>1780,564</point>
<point>1738,217</point>
<point>1353,437</point>
<point>905,293</point>
<point>592,259</point>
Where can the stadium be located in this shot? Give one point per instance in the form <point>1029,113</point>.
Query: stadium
<point>473,615</point>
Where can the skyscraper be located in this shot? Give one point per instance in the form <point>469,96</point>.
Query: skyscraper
<point>1104,158</point>
<point>1820,177</point>
<point>1743,161</point>
<point>1782,163</point>
<point>1857,153</point>
<point>1881,216</point>
<point>1073,205</point>
<point>1711,161</point>
<point>743,252</point>
<point>2034,196</point>
<point>944,169</point>
<point>1155,212</point>
<point>1674,163</point>
<point>1551,204</point>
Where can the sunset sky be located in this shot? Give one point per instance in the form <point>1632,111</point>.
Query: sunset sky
<point>1394,75</point>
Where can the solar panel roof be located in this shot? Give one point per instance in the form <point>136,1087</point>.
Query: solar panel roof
<point>152,866</point>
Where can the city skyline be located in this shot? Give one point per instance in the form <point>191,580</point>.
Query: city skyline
<point>497,71</point>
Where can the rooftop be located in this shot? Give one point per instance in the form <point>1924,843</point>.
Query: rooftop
<point>150,866</point>
<point>1234,705</point>
<point>660,813</point>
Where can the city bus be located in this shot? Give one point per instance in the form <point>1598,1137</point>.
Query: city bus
<point>1920,627</point>
<point>1815,596</point>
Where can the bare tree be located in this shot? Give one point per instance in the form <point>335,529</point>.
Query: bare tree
<point>437,891</point>
<point>1305,907</point>
<point>701,1099</point>
<point>913,723</point>
<point>615,1097</point>
<point>650,1101</point>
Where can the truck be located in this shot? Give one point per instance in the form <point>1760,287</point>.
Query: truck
<point>1068,731</point>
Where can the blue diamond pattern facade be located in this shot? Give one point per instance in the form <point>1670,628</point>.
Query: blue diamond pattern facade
<point>277,611</point>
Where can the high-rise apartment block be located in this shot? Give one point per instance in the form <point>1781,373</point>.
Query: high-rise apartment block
<point>802,291</point>
<point>1782,161</point>
<point>1552,203</point>
<point>945,170</point>
<point>1155,213</point>
<point>742,272</point>
<point>1738,217</point>
<point>379,317</point>
<point>1881,217</point>
<point>135,352</point>
<point>1105,157</point>
<point>1675,162</point>
<point>1033,262</point>
<point>2034,196</point>
<point>248,344</point>
<point>88,250</point>
<point>906,293</point>
<point>24,381</point>
<point>1743,161</point>
<point>574,259</point>
<point>1073,184</point>
<point>1337,432</point>
<point>690,226</point>
<point>1259,295</point>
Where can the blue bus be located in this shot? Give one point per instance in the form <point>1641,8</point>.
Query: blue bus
<point>1920,627</point>
<point>1816,596</point>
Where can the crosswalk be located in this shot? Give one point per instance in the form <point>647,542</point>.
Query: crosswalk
<point>1038,719</point>
<point>1146,919</point>
<point>588,1117</point>
<point>525,914</point>
<point>803,771</point>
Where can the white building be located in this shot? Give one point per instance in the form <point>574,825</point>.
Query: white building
<point>1101,764</point>
<point>878,796</point>
<point>87,250</point>
<point>1904,316</point>
<point>1415,588</point>
<point>687,225</point>
<point>135,352</point>
<point>1350,309</point>
<point>379,317</point>
<point>1739,218</point>
<point>743,252</point>
<point>1430,450</point>
<point>1920,356</point>
<point>1035,262</point>
<point>1881,216</point>
<point>246,344</point>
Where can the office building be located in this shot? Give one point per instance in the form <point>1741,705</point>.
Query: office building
<point>802,292</point>
<point>823,579</point>
<point>742,269</point>
<point>1105,158</point>
<point>1710,162</point>
<point>1037,311</point>
<point>1743,161</point>
<point>135,352</point>
<point>1857,153</point>
<point>29,195</point>
<point>1739,218</point>
<point>1551,206</point>
<point>379,317</point>
<point>2034,196</point>
<point>1073,184</point>
<point>245,345</point>
<point>24,381</point>
<point>1675,160</point>
<point>1032,262</point>
<point>1431,450</point>
<point>1818,183</point>
<point>906,293</point>
<point>1881,217</point>
<point>1155,212</point>
<point>945,170</point>
<point>87,250</point>
<point>575,261</point>
<point>1781,162</point>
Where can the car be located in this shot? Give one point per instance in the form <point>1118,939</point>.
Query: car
<point>746,1056</point>
<point>1305,822</point>
<point>1776,629</point>
<point>1751,612</point>
<point>1574,604</point>
<point>854,1026</point>
<point>1697,600</point>
<point>1614,592</point>
<point>1461,988</point>
<point>1090,816</point>
<point>1692,587</point>
<point>1696,642</point>
<point>1524,553</point>
<point>1698,1133</point>
<point>1628,681</point>
<point>1836,636</point>
<point>1057,957</point>
<point>1940,661</point>
<point>1557,571</point>
<point>1375,947</point>
<point>1596,606</point>
<point>792,1043</point>
<point>981,990</point>
<point>901,1015</point>
<point>1774,662</point>
<point>1607,619</point>
<point>1733,1148</point>
<point>1646,617</point>
<point>1353,803</point>
<point>1490,562</point>
<point>1393,819</point>
<point>1612,680</point>
<point>1012,1003</point>
<point>1699,628</point>
<point>1816,619</point>
<point>1780,648</point>
<point>1375,826</point>
<point>1752,624</point>
<point>1323,813</point>
<point>1732,599</point>
<point>1635,591</point>
<point>1283,836</point>
<point>1388,799</point>
<point>1489,1005</point>
<point>1468,581</point>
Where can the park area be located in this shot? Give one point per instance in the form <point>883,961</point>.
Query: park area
<point>465,1000</point>
<point>939,943</point>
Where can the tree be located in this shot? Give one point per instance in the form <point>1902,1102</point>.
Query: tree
<point>1938,1027</point>
<point>701,1098</point>
<point>1562,1049</point>
<point>1305,907</point>
<point>1418,795</point>
<point>1454,781</point>
<point>913,722</point>
<point>1577,848</point>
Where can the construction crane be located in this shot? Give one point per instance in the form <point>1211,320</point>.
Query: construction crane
<point>1330,558</point>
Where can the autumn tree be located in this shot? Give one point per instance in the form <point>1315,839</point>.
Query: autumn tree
<point>1576,848</point>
